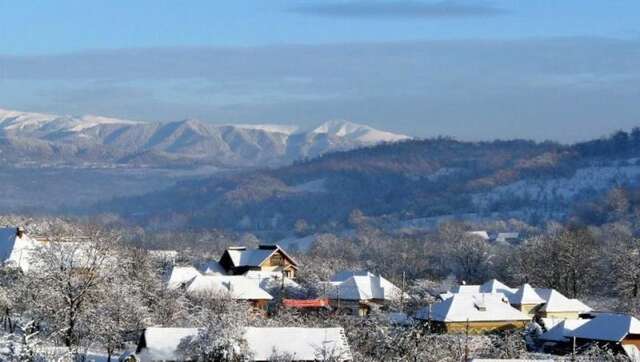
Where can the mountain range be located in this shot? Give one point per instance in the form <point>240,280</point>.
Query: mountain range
<point>51,140</point>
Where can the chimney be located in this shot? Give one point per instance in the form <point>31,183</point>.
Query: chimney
<point>267,246</point>
<point>20,231</point>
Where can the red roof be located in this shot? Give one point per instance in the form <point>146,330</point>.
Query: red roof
<point>305,303</point>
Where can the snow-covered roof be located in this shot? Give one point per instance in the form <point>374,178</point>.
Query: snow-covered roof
<point>237,287</point>
<point>473,308</point>
<point>255,257</point>
<point>161,344</point>
<point>16,250</point>
<point>526,294</point>
<point>268,279</point>
<point>363,286</point>
<point>490,286</point>
<point>341,276</point>
<point>182,275</point>
<point>608,327</point>
<point>212,267</point>
<point>556,302</point>
<point>558,329</point>
<point>483,234</point>
<point>505,237</point>
<point>303,344</point>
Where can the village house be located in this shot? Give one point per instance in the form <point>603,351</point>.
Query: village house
<point>16,247</point>
<point>237,287</point>
<point>359,292</point>
<point>541,302</point>
<point>300,344</point>
<point>475,313</point>
<point>267,258</point>
<point>613,328</point>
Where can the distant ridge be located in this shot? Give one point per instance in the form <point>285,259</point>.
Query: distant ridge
<point>48,140</point>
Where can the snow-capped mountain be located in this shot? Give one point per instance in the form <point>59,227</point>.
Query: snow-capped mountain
<point>36,138</point>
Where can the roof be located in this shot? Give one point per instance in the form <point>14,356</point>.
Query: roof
<point>473,308</point>
<point>556,302</point>
<point>161,344</point>
<point>525,295</point>
<point>212,267</point>
<point>238,287</point>
<point>608,327</point>
<point>362,286</point>
<point>181,275</point>
<point>305,303</point>
<point>504,237</point>
<point>346,274</point>
<point>270,279</point>
<point>304,344</point>
<point>16,250</point>
<point>483,234</point>
<point>255,257</point>
<point>490,286</point>
<point>558,329</point>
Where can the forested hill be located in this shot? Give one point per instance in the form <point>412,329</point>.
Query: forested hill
<point>399,182</point>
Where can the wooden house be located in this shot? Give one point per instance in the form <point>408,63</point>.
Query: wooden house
<point>267,258</point>
<point>475,313</point>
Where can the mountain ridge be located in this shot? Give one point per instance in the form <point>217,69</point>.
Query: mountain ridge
<point>77,140</point>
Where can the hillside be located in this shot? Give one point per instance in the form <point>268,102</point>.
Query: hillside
<point>35,139</point>
<point>402,183</point>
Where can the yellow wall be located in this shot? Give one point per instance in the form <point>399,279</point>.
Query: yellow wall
<point>483,327</point>
<point>560,315</point>
<point>529,309</point>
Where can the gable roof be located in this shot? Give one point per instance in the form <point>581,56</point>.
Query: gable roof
<point>608,327</point>
<point>362,286</point>
<point>182,275</point>
<point>559,330</point>
<point>525,295</point>
<point>557,302</point>
<point>473,308</point>
<point>303,344</point>
<point>16,250</point>
<point>496,286</point>
<point>253,258</point>
<point>161,344</point>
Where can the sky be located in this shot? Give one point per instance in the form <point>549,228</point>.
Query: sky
<point>542,69</point>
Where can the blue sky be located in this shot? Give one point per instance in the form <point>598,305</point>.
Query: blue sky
<point>564,70</point>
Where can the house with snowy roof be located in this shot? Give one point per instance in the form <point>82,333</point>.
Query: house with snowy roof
<point>16,247</point>
<point>237,287</point>
<point>476,313</point>
<point>262,344</point>
<point>546,303</point>
<point>491,286</point>
<point>267,258</point>
<point>558,330</point>
<point>360,291</point>
<point>609,327</point>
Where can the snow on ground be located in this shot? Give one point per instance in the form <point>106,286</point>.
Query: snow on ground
<point>594,178</point>
<point>357,132</point>
<point>274,128</point>
<point>311,186</point>
<point>302,245</point>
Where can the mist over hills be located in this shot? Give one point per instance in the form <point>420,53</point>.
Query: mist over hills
<point>411,183</point>
<point>35,139</point>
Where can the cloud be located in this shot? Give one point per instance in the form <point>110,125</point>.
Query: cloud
<point>398,9</point>
<point>559,88</point>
